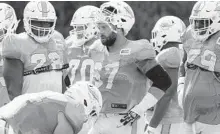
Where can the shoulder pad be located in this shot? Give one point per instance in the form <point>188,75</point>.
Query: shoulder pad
<point>11,46</point>
<point>58,35</point>
<point>170,57</point>
<point>70,42</point>
<point>143,49</point>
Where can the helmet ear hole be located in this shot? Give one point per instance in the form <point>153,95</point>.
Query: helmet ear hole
<point>85,103</point>
<point>123,20</point>
<point>163,36</point>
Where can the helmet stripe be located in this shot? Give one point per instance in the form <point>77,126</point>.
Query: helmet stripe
<point>44,8</point>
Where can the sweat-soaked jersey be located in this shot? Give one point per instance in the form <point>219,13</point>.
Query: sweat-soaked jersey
<point>121,77</point>
<point>37,57</point>
<point>83,60</point>
<point>36,113</point>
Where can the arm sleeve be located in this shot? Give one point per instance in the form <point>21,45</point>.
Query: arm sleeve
<point>163,104</point>
<point>161,81</point>
<point>13,75</point>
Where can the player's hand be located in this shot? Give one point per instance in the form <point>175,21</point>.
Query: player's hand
<point>150,130</point>
<point>129,117</point>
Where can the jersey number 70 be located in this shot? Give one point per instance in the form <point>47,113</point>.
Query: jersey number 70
<point>94,69</point>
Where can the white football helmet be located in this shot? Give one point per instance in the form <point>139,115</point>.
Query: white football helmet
<point>41,11</point>
<point>205,19</point>
<point>8,20</point>
<point>167,29</point>
<point>88,95</point>
<point>84,24</point>
<point>119,14</point>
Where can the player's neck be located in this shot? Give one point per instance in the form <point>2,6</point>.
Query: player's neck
<point>119,44</point>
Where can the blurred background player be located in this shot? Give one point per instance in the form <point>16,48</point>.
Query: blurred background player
<point>83,44</point>
<point>84,48</point>
<point>35,59</point>
<point>53,113</point>
<point>166,40</point>
<point>199,80</point>
<point>8,24</point>
<point>125,70</point>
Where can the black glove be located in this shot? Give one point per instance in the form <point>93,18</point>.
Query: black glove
<point>129,117</point>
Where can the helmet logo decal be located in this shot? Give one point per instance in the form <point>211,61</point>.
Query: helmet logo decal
<point>8,16</point>
<point>42,6</point>
<point>8,13</point>
<point>165,25</point>
<point>198,8</point>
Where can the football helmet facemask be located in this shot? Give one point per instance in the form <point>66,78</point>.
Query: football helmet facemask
<point>205,19</point>
<point>167,29</point>
<point>8,20</point>
<point>40,20</point>
<point>119,14</point>
<point>88,95</point>
<point>84,24</point>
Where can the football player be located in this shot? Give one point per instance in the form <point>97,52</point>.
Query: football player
<point>199,80</point>
<point>84,48</point>
<point>8,24</point>
<point>125,70</point>
<point>50,112</point>
<point>35,59</point>
<point>166,40</point>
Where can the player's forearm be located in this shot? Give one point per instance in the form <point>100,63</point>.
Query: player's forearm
<point>13,75</point>
<point>182,71</point>
<point>160,110</point>
<point>163,104</point>
<point>161,82</point>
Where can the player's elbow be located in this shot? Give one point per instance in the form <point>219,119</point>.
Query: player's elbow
<point>159,77</point>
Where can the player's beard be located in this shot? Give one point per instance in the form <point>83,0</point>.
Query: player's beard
<point>110,40</point>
